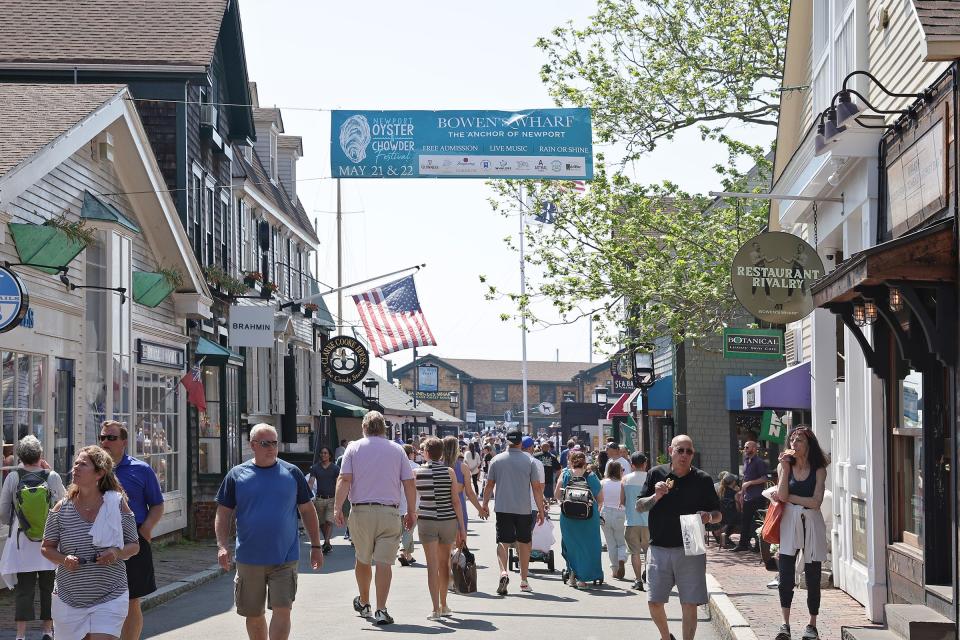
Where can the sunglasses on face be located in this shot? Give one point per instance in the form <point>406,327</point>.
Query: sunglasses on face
<point>111,438</point>
<point>266,444</point>
<point>683,451</point>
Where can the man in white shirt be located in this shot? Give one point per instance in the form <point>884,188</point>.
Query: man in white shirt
<point>614,456</point>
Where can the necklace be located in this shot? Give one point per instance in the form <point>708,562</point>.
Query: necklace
<point>88,509</point>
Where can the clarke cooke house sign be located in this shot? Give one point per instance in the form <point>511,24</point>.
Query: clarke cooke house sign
<point>772,274</point>
<point>344,360</point>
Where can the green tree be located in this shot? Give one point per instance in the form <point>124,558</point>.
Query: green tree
<point>649,68</point>
<point>663,251</point>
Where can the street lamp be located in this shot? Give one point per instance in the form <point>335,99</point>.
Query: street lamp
<point>600,396</point>
<point>371,391</point>
<point>454,399</point>
<point>643,379</point>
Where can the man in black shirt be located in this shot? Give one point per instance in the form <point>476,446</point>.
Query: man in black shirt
<point>550,466</point>
<point>673,490</point>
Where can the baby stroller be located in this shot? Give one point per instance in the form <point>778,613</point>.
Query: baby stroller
<point>542,548</point>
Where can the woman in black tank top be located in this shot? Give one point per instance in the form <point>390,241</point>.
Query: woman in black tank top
<point>801,480</point>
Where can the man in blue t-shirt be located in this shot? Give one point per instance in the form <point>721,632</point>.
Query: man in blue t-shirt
<point>266,494</point>
<point>139,482</point>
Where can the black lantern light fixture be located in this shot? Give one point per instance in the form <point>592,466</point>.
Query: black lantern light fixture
<point>643,367</point>
<point>859,314</point>
<point>600,396</point>
<point>896,299</point>
<point>371,391</point>
<point>870,314</point>
<point>454,399</point>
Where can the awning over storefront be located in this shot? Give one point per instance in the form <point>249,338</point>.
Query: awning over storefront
<point>214,354</point>
<point>661,394</point>
<point>342,409</point>
<point>620,408</point>
<point>734,387</point>
<point>787,389</point>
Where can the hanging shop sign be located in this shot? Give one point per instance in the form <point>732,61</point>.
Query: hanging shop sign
<point>344,360</point>
<point>773,429</point>
<point>251,326</point>
<point>621,370</point>
<point>471,416</point>
<point>431,395</point>
<point>756,344</point>
<point>917,181</point>
<point>546,144</point>
<point>428,377</point>
<point>14,300</point>
<point>160,355</point>
<point>772,274</point>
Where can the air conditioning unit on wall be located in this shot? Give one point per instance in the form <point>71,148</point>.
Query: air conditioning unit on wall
<point>208,115</point>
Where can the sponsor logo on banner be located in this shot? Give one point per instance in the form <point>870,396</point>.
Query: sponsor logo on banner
<point>14,300</point>
<point>251,326</point>
<point>772,274</point>
<point>344,360</point>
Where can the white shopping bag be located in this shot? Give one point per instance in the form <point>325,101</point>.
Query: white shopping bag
<point>691,527</point>
<point>543,536</point>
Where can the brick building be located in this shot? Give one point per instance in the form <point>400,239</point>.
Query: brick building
<point>493,389</point>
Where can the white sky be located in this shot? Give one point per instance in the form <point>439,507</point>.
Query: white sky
<point>382,54</point>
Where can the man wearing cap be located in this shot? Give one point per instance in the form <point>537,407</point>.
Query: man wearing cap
<point>514,474</point>
<point>527,445</point>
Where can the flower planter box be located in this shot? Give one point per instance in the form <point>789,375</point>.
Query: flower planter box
<point>44,244</point>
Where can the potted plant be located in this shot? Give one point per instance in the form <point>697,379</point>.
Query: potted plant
<point>53,244</point>
<point>267,289</point>
<point>252,278</point>
<point>309,309</point>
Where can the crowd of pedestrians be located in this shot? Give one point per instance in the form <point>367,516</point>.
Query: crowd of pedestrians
<point>87,547</point>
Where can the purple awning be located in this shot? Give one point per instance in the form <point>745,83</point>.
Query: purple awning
<point>786,389</point>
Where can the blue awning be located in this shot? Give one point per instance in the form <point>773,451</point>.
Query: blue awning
<point>661,394</point>
<point>735,386</point>
<point>786,389</point>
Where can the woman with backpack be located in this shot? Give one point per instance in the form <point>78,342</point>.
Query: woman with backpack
<point>27,495</point>
<point>580,544</point>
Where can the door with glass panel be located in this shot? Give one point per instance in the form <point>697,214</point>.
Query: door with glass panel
<point>63,444</point>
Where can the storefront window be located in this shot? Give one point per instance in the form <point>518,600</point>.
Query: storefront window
<point>157,430</point>
<point>908,461</point>
<point>21,381</point>
<point>210,427</point>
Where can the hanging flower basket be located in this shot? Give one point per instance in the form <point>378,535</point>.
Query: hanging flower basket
<point>267,290</point>
<point>252,278</point>
<point>151,288</point>
<point>52,244</point>
<point>309,309</point>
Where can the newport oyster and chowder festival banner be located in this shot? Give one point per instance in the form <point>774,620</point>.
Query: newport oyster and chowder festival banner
<point>544,144</point>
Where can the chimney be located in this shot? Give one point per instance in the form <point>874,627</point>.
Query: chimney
<point>389,370</point>
<point>289,150</point>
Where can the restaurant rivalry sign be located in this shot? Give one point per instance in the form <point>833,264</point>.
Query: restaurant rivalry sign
<point>772,274</point>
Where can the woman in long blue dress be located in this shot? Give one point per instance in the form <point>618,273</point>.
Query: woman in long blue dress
<point>580,544</point>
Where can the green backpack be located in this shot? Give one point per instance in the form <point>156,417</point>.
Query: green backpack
<point>32,503</point>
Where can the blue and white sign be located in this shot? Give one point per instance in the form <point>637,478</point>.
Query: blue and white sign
<point>14,301</point>
<point>544,144</point>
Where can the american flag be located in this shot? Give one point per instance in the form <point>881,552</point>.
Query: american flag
<point>574,185</point>
<point>392,317</point>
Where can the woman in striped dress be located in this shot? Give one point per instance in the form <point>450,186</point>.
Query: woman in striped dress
<point>440,519</point>
<point>88,535</point>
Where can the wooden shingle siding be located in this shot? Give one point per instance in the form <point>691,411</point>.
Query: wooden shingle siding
<point>896,54</point>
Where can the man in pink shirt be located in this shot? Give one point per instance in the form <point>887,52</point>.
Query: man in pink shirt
<point>374,474</point>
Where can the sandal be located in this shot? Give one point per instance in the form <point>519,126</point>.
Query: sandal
<point>580,584</point>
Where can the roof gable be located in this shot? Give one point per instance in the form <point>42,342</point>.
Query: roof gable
<point>256,173</point>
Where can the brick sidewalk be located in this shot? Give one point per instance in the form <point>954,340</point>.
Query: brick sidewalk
<point>171,562</point>
<point>744,579</point>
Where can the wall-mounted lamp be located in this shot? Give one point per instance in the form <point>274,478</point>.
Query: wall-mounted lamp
<point>896,299</point>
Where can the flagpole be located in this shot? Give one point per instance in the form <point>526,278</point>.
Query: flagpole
<point>317,296</point>
<point>523,318</point>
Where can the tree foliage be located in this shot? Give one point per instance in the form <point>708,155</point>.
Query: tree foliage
<point>649,68</point>
<point>658,251</point>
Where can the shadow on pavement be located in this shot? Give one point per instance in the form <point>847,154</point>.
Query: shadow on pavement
<point>469,624</point>
<point>409,628</point>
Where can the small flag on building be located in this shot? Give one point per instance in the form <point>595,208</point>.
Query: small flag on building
<point>392,317</point>
<point>574,185</point>
<point>194,386</point>
<point>772,428</point>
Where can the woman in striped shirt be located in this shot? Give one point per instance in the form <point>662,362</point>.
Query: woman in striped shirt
<point>90,593</point>
<point>440,519</point>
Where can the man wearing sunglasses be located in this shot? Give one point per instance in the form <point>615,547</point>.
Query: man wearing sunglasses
<point>140,484</point>
<point>673,490</point>
<point>266,494</point>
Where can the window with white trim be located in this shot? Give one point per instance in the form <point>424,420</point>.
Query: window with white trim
<point>833,50</point>
<point>156,433</point>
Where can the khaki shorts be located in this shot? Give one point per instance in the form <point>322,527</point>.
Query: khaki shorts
<point>375,532</point>
<point>638,539</point>
<point>256,583</point>
<point>324,509</point>
<point>442,531</point>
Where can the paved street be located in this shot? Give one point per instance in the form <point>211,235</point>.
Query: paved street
<point>323,604</point>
